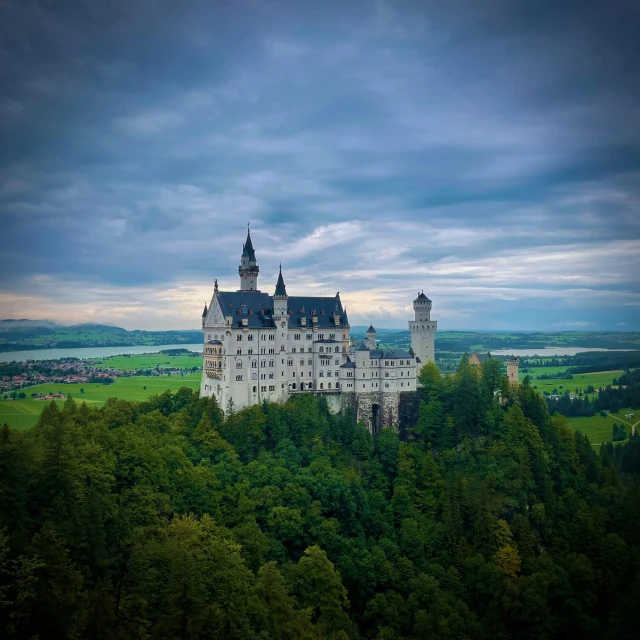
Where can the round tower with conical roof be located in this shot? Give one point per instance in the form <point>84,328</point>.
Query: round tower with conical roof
<point>423,330</point>
<point>370,337</point>
<point>248,269</point>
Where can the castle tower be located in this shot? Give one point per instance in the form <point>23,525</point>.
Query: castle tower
<point>423,330</point>
<point>248,269</point>
<point>280,297</point>
<point>512,369</point>
<point>370,338</point>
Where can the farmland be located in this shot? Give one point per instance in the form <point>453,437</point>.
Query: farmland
<point>599,428</point>
<point>23,414</point>
<point>579,381</point>
<point>149,361</point>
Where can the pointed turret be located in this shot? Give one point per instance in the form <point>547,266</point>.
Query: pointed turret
<point>370,337</point>
<point>281,290</point>
<point>204,313</point>
<point>280,297</point>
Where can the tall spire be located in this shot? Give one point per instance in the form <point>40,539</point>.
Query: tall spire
<point>247,247</point>
<point>281,290</point>
<point>248,269</point>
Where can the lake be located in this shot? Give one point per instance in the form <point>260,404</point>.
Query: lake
<point>548,351</point>
<point>90,352</point>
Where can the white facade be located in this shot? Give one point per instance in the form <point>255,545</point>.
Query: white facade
<point>423,330</point>
<point>259,347</point>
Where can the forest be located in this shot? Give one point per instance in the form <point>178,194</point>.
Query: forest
<point>488,518</point>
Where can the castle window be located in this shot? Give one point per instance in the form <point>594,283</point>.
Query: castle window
<point>255,389</point>
<point>401,362</point>
<point>271,363</point>
<point>321,336</point>
<point>337,349</point>
<point>239,364</point>
<point>321,374</point>
<point>363,386</point>
<point>310,362</point>
<point>272,336</point>
<point>321,350</point>
<point>386,374</point>
<point>301,349</point>
<point>337,373</point>
<point>239,351</point>
<point>263,376</point>
<point>337,361</point>
<point>402,384</point>
<point>239,378</point>
<point>272,387</point>
<point>250,336</point>
<point>329,386</point>
<point>309,336</point>
<point>250,352</point>
<point>271,351</point>
<point>282,347</point>
<point>239,337</point>
<point>296,336</point>
<point>386,384</point>
<point>290,362</point>
<point>271,376</point>
<point>322,385</point>
<point>293,349</point>
<point>363,375</point>
<point>332,336</point>
<point>254,364</point>
<point>263,350</point>
<point>302,361</point>
<point>386,363</point>
<point>329,374</point>
<point>254,376</point>
<point>263,363</point>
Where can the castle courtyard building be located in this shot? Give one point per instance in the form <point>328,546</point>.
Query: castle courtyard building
<point>269,347</point>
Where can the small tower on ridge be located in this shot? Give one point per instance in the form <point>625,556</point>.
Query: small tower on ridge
<point>248,269</point>
<point>512,369</point>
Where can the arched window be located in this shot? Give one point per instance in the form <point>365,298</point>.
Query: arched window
<point>255,389</point>
<point>239,364</point>
<point>321,350</point>
<point>321,386</point>
<point>337,349</point>
<point>329,386</point>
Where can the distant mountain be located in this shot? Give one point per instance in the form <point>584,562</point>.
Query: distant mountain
<point>10,324</point>
<point>18,335</point>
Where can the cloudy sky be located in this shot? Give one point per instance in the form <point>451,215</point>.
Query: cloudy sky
<point>486,152</point>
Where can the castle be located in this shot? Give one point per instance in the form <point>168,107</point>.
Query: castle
<point>260,347</point>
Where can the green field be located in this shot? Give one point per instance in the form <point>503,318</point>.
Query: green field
<point>149,361</point>
<point>580,380</point>
<point>600,429</point>
<point>23,414</point>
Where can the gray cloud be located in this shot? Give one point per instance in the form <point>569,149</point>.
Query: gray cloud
<point>489,154</point>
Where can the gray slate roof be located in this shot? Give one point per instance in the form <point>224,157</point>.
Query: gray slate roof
<point>371,329</point>
<point>421,296</point>
<point>257,308</point>
<point>388,354</point>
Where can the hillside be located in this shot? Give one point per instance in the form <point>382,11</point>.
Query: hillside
<point>19,335</point>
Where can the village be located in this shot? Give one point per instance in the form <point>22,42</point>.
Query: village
<point>15,377</point>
